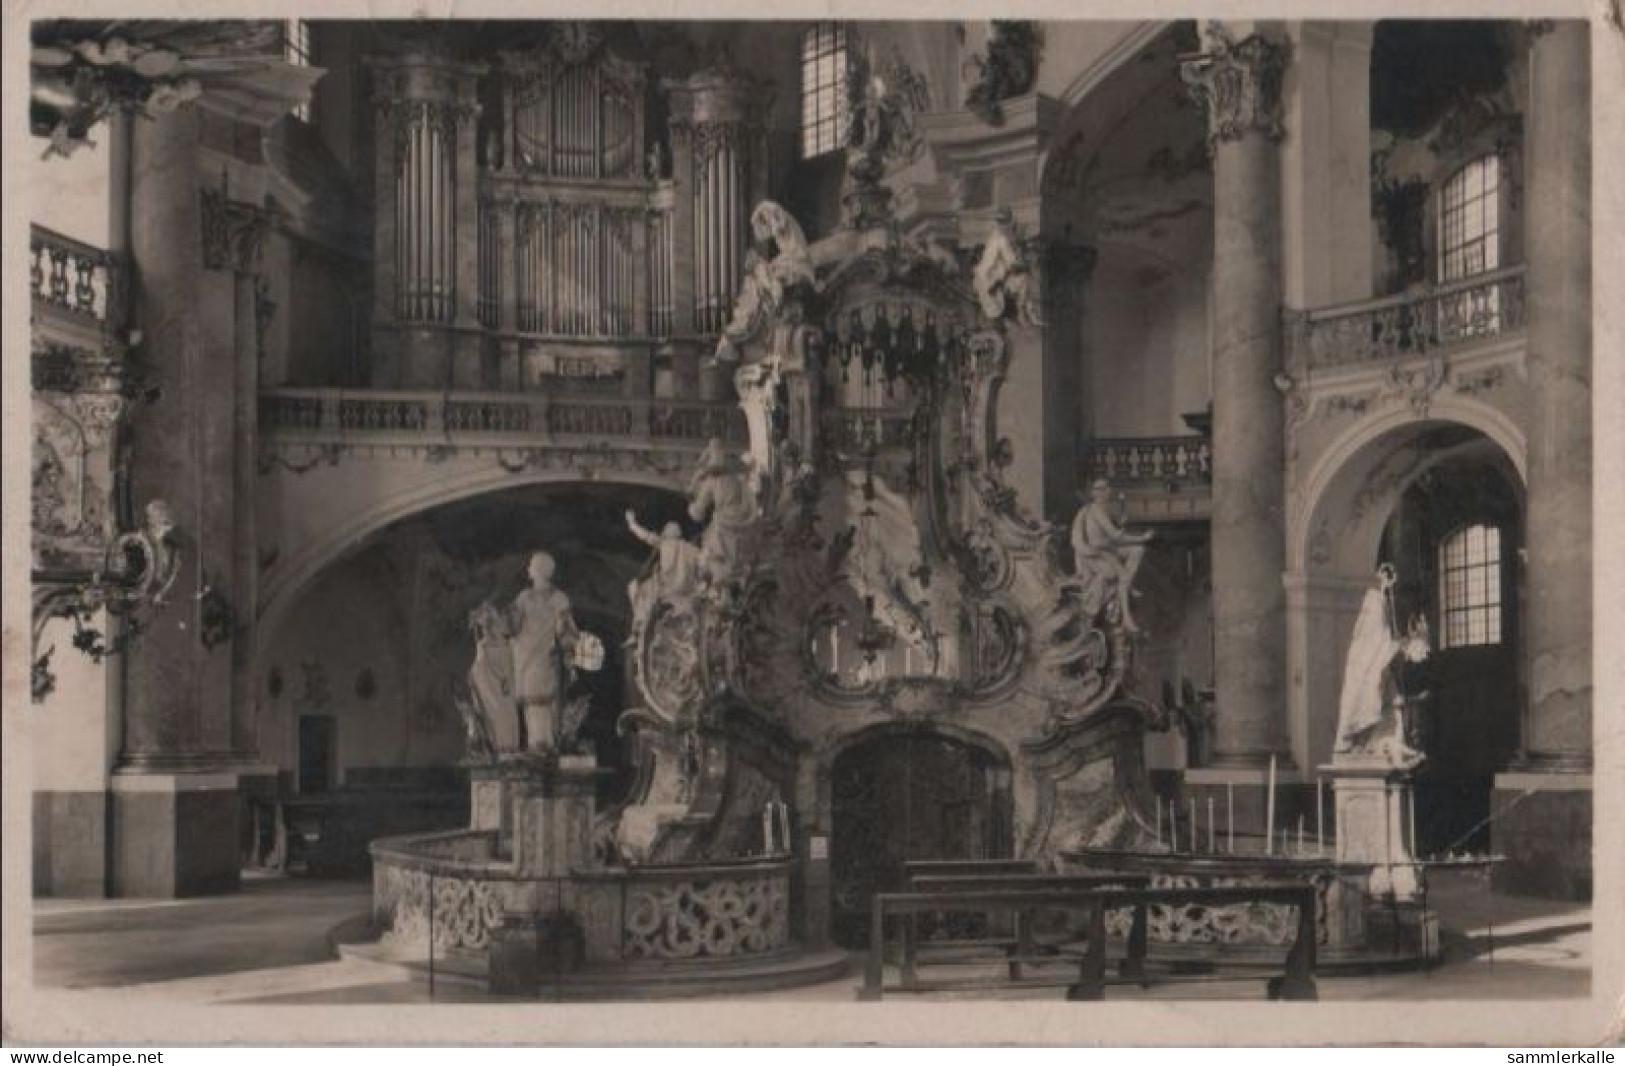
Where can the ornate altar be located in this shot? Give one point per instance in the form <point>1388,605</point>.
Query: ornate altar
<point>888,579</point>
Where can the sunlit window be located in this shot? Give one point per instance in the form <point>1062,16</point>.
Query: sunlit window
<point>1470,587</point>
<point>1470,220</point>
<point>823,88</point>
<point>296,48</point>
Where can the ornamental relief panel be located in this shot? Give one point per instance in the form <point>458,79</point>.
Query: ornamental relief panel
<point>72,478</point>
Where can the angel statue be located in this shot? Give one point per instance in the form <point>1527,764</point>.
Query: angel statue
<point>1371,707</point>
<point>766,278</point>
<point>672,574</point>
<point>1004,284</point>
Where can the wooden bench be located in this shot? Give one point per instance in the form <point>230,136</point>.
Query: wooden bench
<point>1296,982</point>
<point>970,867</point>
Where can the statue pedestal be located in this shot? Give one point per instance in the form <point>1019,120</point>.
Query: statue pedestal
<point>542,809</point>
<point>1374,820</point>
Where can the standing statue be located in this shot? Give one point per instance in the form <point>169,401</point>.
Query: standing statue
<point>490,715</point>
<point>523,662</point>
<point>766,278</point>
<point>672,575</point>
<point>1371,688</point>
<point>719,493</point>
<point>1105,555</point>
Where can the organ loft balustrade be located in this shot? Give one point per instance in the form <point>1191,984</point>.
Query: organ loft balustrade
<point>535,232</point>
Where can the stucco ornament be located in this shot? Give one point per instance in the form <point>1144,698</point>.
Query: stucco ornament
<point>1005,284</point>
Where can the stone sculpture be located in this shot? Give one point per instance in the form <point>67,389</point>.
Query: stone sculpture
<point>523,663</point>
<point>672,575</point>
<point>1004,284</point>
<point>766,278</point>
<point>1106,556</point>
<point>1371,707</point>
<point>721,497</point>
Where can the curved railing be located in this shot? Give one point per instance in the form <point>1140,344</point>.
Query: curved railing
<point>1395,327</point>
<point>456,887</point>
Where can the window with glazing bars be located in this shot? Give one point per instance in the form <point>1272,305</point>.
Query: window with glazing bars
<point>1470,220</point>
<point>1470,587</point>
<point>823,88</point>
<point>296,49</point>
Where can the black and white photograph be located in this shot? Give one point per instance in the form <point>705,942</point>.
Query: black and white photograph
<point>777,523</point>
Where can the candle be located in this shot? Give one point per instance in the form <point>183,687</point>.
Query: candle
<point>1173,825</point>
<point>1157,806</point>
<point>1193,824</point>
<point>1320,815</point>
<point>1334,816</point>
<point>767,829</point>
<point>1210,830</point>
<point>1410,794</point>
<point>1230,816</point>
<point>1269,811</point>
<point>1300,834</point>
<point>784,827</point>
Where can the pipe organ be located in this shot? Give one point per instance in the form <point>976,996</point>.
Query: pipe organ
<point>589,234</point>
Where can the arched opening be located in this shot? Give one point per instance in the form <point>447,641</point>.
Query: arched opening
<point>358,686</point>
<point>1454,537</point>
<point>1443,504</point>
<point>902,794</point>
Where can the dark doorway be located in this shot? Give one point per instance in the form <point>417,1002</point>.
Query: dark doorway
<point>318,754</point>
<point>905,797</point>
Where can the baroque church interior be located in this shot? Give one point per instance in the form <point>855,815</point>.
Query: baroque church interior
<point>662,499</point>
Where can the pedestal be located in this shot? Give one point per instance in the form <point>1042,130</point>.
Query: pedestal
<point>1374,815</point>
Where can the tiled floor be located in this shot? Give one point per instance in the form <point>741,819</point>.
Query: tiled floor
<point>269,944</point>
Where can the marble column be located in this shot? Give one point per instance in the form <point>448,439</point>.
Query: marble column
<point>1558,294</point>
<point>1239,81</point>
<point>175,802</point>
<point>1545,828</point>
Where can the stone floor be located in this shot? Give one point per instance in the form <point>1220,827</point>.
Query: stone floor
<point>269,944</point>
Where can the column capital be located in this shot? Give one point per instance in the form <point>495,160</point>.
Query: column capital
<point>1238,83</point>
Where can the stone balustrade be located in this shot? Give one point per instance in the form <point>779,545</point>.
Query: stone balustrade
<point>1179,461</point>
<point>75,283</point>
<point>1413,323</point>
<point>347,414</point>
<point>455,887</point>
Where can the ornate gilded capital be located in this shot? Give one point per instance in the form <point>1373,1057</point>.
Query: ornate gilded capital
<point>1239,84</point>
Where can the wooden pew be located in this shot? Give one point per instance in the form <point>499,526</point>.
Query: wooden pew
<point>1296,982</point>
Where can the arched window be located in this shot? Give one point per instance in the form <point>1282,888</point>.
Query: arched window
<point>1470,587</point>
<point>1470,220</point>
<point>823,88</point>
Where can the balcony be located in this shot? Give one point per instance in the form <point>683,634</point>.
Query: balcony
<point>1480,308</point>
<point>505,419</point>
<point>1162,479</point>
<point>78,290</point>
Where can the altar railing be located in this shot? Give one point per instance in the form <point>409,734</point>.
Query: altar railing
<point>346,413</point>
<point>453,888</point>
<point>1395,327</point>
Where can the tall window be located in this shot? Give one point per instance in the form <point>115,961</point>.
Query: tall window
<point>1470,220</point>
<point>1470,587</point>
<point>296,49</point>
<point>823,88</point>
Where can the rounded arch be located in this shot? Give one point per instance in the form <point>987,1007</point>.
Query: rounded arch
<point>1353,456</point>
<point>915,727</point>
<point>351,535</point>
